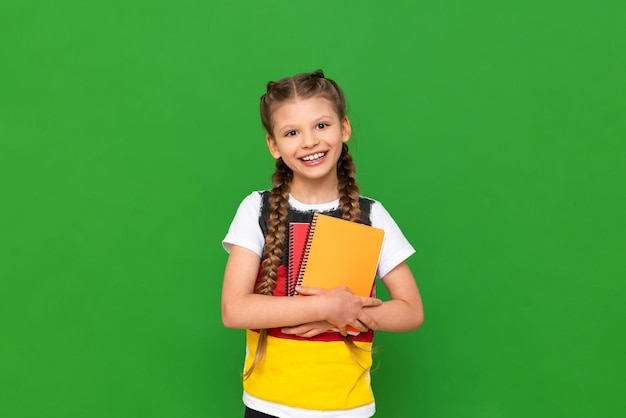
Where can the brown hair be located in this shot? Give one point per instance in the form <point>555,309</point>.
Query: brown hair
<point>301,86</point>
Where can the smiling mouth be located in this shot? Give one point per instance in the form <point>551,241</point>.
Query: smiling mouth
<point>314,157</point>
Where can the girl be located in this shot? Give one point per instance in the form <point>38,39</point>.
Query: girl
<point>296,366</point>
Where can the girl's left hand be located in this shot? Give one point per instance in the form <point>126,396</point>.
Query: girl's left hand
<point>309,330</point>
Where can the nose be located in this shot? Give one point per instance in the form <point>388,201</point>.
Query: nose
<point>309,139</point>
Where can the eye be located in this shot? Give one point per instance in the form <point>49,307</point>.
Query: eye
<point>321,125</point>
<point>290,133</point>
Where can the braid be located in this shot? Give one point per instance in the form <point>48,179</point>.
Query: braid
<point>347,187</point>
<point>351,210</point>
<point>276,227</point>
<point>274,244</point>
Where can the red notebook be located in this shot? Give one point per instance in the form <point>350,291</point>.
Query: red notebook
<point>298,233</point>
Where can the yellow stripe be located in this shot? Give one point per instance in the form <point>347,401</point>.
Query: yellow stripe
<point>310,374</point>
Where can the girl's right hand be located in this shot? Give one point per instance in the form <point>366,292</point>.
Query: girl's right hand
<point>343,308</point>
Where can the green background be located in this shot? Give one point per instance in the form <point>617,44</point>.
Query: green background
<point>494,132</point>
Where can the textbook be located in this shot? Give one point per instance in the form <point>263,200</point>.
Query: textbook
<point>340,252</point>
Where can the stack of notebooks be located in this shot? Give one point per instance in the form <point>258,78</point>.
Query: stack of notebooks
<point>331,252</point>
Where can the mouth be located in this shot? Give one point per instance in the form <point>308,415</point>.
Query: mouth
<point>313,157</point>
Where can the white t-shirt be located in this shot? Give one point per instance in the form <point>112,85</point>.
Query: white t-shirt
<point>246,232</point>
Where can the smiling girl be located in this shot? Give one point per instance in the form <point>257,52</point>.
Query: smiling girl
<point>296,365</point>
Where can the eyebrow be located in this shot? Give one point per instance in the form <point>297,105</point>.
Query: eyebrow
<point>316,120</point>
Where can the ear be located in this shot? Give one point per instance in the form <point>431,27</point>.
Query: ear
<point>346,129</point>
<point>271,144</point>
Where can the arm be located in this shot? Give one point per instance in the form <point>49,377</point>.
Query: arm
<point>242,308</point>
<point>404,312</point>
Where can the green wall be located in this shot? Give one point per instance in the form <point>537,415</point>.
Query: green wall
<point>493,131</point>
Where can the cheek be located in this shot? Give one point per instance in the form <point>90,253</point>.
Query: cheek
<point>286,148</point>
<point>331,134</point>
<point>338,136</point>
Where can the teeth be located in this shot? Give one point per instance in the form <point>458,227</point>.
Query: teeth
<point>313,157</point>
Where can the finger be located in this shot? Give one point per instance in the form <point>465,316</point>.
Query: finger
<point>309,333</point>
<point>359,325</point>
<point>309,291</point>
<point>343,330</point>
<point>295,330</point>
<point>368,322</point>
<point>345,289</point>
<point>367,301</point>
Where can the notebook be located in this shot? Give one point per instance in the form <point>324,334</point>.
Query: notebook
<point>298,233</point>
<point>340,252</point>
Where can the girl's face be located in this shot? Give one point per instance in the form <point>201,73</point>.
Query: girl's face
<point>308,135</point>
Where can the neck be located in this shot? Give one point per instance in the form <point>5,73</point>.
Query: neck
<point>314,192</point>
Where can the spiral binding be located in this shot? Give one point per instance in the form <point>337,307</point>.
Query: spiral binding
<point>291,280</point>
<point>307,250</point>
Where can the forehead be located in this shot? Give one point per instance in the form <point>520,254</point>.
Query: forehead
<point>303,110</point>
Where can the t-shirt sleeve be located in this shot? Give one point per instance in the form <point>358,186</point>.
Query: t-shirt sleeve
<point>245,230</point>
<point>396,248</point>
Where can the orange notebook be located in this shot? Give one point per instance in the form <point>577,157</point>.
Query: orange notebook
<point>340,252</point>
